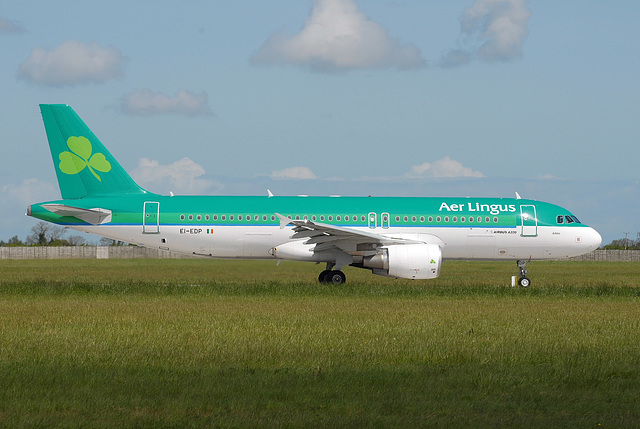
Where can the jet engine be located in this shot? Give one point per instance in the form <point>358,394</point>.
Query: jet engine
<point>407,261</point>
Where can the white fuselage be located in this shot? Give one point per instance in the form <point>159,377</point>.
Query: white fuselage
<point>256,242</point>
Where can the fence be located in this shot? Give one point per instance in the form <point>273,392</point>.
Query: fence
<point>88,252</point>
<point>127,252</point>
<point>611,256</point>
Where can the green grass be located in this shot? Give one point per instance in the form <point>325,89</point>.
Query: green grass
<point>192,343</point>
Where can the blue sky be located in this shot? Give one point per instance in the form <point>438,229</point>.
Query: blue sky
<point>388,97</point>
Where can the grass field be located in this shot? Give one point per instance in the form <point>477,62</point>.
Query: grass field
<point>193,343</point>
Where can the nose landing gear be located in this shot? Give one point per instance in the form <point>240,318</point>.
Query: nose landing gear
<point>523,280</point>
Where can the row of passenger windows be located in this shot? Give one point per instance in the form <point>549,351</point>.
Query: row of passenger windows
<point>454,219</point>
<point>224,217</point>
<point>345,218</point>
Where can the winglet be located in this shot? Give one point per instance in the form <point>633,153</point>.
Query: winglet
<point>284,221</point>
<point>518,197</point>
<point>269,193</point>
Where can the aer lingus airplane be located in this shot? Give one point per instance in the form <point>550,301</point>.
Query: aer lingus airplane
<point>396,237</point>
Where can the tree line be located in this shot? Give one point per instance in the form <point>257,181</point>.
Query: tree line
<point>623,244</point>
<point>47,234</point>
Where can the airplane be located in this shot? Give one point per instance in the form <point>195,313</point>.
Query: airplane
<point>399,237</point>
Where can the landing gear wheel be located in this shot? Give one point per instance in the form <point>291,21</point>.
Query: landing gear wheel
<point>321,277</point>
<point>335,277</point>
<point>523,280</point>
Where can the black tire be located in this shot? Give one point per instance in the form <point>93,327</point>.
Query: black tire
<point>323,275</point>
<point>335,277</point>
<point>524,282</point>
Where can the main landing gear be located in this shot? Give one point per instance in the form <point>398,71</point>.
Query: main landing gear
<point>523,280</point>
<point>330,275</point>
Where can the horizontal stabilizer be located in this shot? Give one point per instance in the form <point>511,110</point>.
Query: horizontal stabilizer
<point>93,216</point>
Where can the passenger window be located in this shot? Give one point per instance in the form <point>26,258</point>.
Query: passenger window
<point>455,219</point>
<point>438,219</point>
<point>224,217</point>
<point>430,219</point>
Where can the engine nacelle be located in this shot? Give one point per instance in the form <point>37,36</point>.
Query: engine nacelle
<point>297,250</point>
<point>407,261</point>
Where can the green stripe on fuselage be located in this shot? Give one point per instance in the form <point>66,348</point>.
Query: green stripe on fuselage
<point>494,212</point>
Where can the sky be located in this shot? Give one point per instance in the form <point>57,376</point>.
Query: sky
<point>334,97</point>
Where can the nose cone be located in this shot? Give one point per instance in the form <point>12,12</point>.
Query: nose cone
<point>591,239</point>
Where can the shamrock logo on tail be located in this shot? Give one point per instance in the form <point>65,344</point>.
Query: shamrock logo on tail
<point>80,157</point>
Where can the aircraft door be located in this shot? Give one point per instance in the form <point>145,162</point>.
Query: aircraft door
<point>529,221</point>
<point>151,218</point>
<point>373,220</point>
<point>386,220</point>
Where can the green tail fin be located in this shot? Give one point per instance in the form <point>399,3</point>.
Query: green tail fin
<point>84,167</point>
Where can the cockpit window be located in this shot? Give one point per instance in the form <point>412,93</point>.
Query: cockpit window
<point>568,219</point>
<point>560,219</point>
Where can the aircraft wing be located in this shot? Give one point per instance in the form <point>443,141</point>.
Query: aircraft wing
<point>93,216</point>
<point>349,240</point>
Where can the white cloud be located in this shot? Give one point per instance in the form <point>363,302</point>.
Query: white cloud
<point>10,27</point>
<point>72,63</point>
<point>445,167</point>
<point>181,177</point>
<point>293,173</point>
<point>337,36</point>
<point>146,102</point>
<point>30,191</point>
<point>492,30</point>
